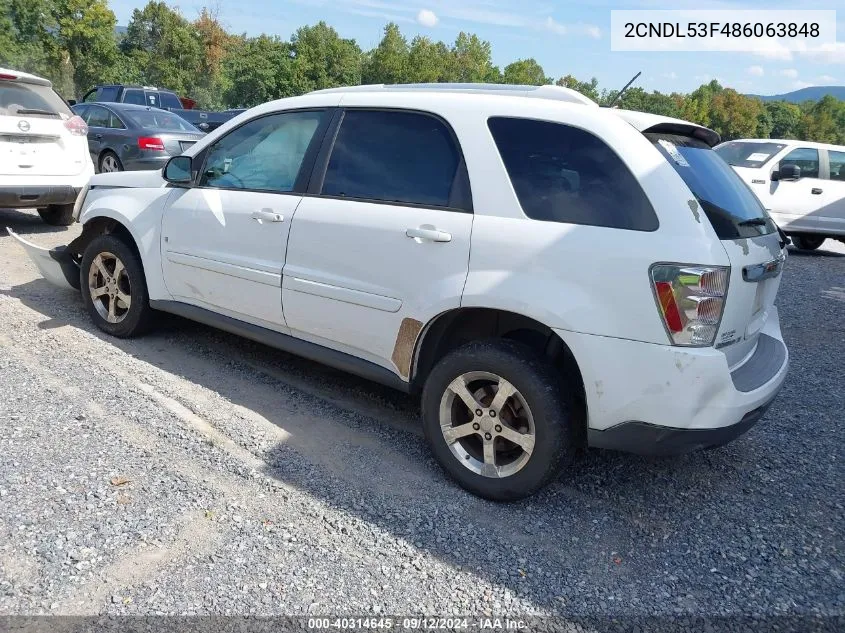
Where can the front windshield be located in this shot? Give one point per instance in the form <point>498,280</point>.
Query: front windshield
<point>745,154</point>
<point>732,208</point>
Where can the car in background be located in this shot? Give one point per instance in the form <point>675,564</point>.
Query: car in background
<point>131,137</point>
<point>157,98</point>
<point>44,161</point>
<point>801,184</point>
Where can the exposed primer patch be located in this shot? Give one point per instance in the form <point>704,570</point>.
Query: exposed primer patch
<point>599,388</point>
<point>683,360</point>
<point>693,206</point>
<point>403,350</point>
<point>743,243</point>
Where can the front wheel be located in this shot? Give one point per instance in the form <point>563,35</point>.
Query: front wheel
<point>807,241</point>
<point>497,419</point>
<point>57,214</point>
<point>114,288</point>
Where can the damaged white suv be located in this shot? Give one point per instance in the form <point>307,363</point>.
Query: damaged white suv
<point>546,273</point>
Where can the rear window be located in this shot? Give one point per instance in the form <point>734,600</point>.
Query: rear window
<point>159,120</point>
<point>729,203</point>
<point>564,174</point>
<point>751,155</point>
<point>23,99</point>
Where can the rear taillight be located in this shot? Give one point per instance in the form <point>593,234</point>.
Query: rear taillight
<point>8,77</point>
<point>151,142</point>
<point>76,126</point>
<point>691,300</point>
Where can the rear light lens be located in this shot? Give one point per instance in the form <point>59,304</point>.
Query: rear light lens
<point>76,126</point>
<point>690,300</point>
<point>8,77</point>
<point>151,142</point>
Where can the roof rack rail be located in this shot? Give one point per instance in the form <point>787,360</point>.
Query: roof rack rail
<point>556,93</point>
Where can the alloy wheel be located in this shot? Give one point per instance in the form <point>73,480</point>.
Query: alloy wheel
<point>109,286</point>
<point>487,424</point>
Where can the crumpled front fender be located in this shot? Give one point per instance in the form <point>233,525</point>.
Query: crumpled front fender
<point>55,264</point>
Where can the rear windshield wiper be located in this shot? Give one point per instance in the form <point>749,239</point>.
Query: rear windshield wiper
<point>36,111</point>
<point>753,222</point>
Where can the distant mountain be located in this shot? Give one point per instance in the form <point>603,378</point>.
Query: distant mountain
<point>813,93</point>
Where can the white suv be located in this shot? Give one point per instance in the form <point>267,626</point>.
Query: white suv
<point>801,184</point>
<point>546,273</point>
<point>44,160</point>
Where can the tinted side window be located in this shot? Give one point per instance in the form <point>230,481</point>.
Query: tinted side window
<point>564,174</point>
<point>393,156</point>
<point>265,154</point>
<point>115,122</point>
<point>107,93</point>
<point>134,96</point>
<point>805,158</point>
<point>837,165</point>
<point>169,100</point>
<point>98,117</point>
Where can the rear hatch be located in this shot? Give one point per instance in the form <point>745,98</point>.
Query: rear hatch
<point>34,140</point>
<point>748,235</point>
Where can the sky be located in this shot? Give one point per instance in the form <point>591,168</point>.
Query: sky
<point>564,37</point>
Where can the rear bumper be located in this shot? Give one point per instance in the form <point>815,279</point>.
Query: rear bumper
<point>34,196</point>
<point>659,399</point>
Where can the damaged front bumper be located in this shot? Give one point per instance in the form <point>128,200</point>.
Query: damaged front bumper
<point>56,265</point>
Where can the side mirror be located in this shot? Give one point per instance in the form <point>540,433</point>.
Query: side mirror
<point>787,172</point>
<point>178,171</point>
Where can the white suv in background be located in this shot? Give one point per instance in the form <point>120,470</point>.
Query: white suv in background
<point>546,273</point>
<point>44,160</point>
<point>802,184</point>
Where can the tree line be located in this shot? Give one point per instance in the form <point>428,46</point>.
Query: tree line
<point>75,43</point>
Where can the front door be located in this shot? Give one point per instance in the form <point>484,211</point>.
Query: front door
<point>384,246</point>
<point>224,241</point>
<point>831,215</point>
<point>792,202</point>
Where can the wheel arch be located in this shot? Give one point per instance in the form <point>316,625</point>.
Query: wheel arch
<point>454,328</point>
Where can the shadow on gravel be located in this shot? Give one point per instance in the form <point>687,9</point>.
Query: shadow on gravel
<point>25,223</point>
<point>794,252</point>
<point>745,529</point>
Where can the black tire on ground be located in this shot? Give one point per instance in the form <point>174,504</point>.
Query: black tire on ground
<point>540,386</point>
<point>111,155</point>
<point>807,241</point>
<point>139,317</point>
<point>57,214</point>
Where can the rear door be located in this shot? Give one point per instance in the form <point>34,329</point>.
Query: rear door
<point>831,215</point>
<point>383,243</point>
<point>746,232</point>
<point>98,119</point>
<point>33,138</point>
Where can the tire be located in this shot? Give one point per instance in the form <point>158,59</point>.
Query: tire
<point>539,402</point>
<point>109,162</point>
<point>57,214</point>
<point>108,310</point>
<point>808,241</point>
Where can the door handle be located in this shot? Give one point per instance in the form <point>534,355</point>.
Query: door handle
<point>429,234</point>
<point>265,215</point>
<point>815,191</point>
<point>98,136</point>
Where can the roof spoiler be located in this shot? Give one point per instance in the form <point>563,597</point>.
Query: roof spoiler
<point>711,137</point>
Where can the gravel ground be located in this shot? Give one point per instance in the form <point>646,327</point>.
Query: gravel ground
<point>193,472</point>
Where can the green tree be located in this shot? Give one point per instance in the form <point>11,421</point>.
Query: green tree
<point>825,121</point>
<point>85,33</point>
<point>525,72</point>
<point>734,115</point>
<point>215,42</point>
<point>166,48</point>
<point>389,62</point>
<point>472,60</point>
<point>785,117</point>
<point>322,59</point>
<point>429,61</point>
<point>258,69</point>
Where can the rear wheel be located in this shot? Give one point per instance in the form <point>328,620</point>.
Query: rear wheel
<point>57,214</point>
<point>807,241</point>
<point>497,419</point>
<point>110,162</point>
<point>114,288</point>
